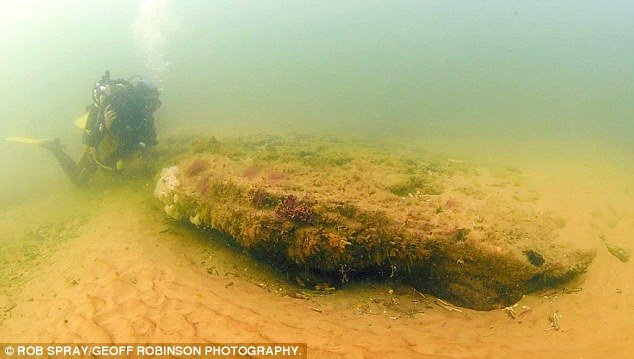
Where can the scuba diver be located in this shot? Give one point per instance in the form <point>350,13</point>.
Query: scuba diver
<point>118,124</point>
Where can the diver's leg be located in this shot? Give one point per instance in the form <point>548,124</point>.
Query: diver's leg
<point>78,173</point>
<point>68,164</point>
<point>86,168</point>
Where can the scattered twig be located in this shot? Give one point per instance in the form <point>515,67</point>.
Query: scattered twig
<point>566,290</point>
<point>419,293</point>
<point>510,311</point>
<point>446,306</point>
<point>621,254</point>
<point>550,294</point>
<point>525,312</point>
<point>315,309</point>
<point>553,320</point>
<point>425,299</point>
<point>297,295</point>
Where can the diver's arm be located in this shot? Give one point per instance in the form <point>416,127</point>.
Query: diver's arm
<point>151,131</point>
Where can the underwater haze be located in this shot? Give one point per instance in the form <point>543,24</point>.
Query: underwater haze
<point>501,69</point>
<point>542,89</point>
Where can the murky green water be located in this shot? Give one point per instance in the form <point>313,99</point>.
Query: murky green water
<point>526,81</point>
<point>498,69</point>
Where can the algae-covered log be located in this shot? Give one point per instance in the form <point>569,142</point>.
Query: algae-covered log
<point>471,237</point>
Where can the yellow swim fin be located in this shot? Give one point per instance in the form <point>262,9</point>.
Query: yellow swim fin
<point>81,120</point>
<point>28,140</point>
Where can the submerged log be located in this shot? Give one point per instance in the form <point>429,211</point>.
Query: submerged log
<point>470,236</point>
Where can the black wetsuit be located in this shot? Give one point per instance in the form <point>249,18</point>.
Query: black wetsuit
<point>121,125</point>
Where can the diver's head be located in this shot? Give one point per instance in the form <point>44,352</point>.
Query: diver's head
<point>148,93</point>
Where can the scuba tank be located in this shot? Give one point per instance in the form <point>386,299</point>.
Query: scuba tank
<point>96,122</point>
<point>120,119</point>
<point>110,99</point>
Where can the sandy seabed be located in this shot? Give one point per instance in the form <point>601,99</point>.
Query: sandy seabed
<point>126,275</point>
